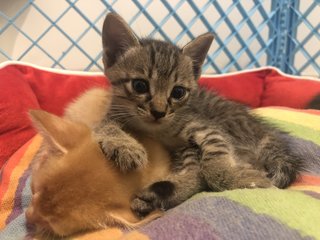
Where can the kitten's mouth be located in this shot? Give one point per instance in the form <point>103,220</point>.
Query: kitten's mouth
<point>158,122</point>
<point>154,121</point>
<point>151,122</point>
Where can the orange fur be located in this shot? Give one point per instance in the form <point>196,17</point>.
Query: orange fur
<point>75,188</point>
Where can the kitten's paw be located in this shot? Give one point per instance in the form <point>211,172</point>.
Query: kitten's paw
<point>238,177</point>
<point>154,197</point>
<point>126,155</point>
<point>143,204</point>
<point>251,178</point>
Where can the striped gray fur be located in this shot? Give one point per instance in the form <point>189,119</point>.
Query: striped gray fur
<point>234,148</point>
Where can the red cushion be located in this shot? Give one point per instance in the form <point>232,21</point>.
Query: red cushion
<point>54,90</point>
<point>264,87</point>
<point>22,88</point>
<point>16,98</point>
<point>285,90</point>
<point>245,87</point>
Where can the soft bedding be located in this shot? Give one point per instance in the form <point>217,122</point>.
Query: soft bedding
<point>293,213</point>
<point>240,214</point>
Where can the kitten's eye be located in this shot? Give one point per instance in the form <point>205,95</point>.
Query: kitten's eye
<point>178,92</point>
<point>140,86</point>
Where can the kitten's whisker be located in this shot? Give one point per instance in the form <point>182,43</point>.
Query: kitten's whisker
<point>102,225</point>
<point>119,106</point>
<point>119,114</point>
<point>125,122</point>
<point>122,119</point>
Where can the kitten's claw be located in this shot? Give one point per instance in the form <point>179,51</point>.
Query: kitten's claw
<point>127,156</point>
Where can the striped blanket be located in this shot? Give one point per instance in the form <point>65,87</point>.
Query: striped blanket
<point>293,213</point>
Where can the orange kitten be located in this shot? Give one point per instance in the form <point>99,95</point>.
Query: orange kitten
<point>76,188</point>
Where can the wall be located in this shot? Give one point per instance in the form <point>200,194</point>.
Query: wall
<point>55,49</point>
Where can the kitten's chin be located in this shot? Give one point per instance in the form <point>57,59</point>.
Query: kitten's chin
<point>154,122</point>
<point>150,125</point>
<point>157,123</point>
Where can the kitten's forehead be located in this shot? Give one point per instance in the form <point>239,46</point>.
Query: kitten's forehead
<point>156,60</point>
<point>166,62</point>
<point>163,57</point>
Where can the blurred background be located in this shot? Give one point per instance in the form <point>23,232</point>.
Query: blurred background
<point>66,34</point>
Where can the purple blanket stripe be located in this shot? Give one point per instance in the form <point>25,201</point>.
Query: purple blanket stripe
<point>180,226</point>
<point>223,219</point>
<point>307,150</point>
<point>18,209</point>
<point>312,194</point>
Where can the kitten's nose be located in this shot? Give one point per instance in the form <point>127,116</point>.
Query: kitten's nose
<point>157,114</point>
<point>33,218</point>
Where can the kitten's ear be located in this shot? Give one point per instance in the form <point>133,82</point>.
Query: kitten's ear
<point>58,134</point>
<point>117,37</point>
<point>197,50</point>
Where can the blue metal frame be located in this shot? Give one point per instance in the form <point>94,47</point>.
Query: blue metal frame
<point>281,21</point>
<point>284,45</point>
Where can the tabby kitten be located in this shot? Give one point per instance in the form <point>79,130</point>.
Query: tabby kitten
<point>155,93</point>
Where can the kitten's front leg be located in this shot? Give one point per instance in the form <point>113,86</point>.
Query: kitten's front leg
<point>180,185</point>
<point>126,152</point>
